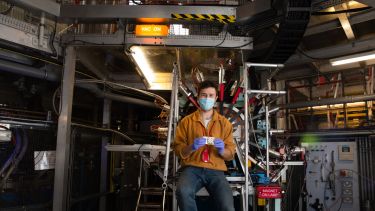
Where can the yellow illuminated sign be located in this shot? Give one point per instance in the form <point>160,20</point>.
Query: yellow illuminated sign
<point>151,30</point>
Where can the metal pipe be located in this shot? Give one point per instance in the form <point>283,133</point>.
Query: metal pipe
<point>157,97</point>
<point>260,164</point>
<point>17,160</point>
<point>25,120</point>
<point>274,110</point>
<point>20,123</point>
<point>273,152</point>
<point>267,142</point>
<point>175,121</point>
<point>120,98</point>
<point>249,64</point>
<point>105,129</point>
<point>245,80</point>
<point>14,57</point>
<point>261,113</point>
<point>17,68</point>
<point>170,122</point>
<point>50,75</point>
<point>240,154</point>
<point>12,156</point>
<point>126,99</point>
<point>330,101</point>
<point>272,131</point>
<point>63,143</point>
<point>252,91</point>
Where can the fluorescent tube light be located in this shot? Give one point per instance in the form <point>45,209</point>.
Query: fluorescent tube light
<point>249,64</point>
<point>143,65</point>
<point>353,58</point>
<point>153,79</point>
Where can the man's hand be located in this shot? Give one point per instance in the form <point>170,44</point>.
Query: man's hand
<point>198,143</point>
<point>220,146</point>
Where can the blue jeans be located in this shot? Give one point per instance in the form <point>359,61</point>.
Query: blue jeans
<point>192,179</point>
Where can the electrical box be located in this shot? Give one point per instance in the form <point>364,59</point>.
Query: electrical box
<point>346,151</point>
<point>332,176</point>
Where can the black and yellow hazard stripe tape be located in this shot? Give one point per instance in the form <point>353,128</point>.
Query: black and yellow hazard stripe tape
<point>205,17</point>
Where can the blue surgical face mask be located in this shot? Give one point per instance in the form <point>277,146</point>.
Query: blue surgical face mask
<point>206,103</point>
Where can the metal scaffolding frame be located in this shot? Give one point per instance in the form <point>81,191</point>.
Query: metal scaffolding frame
<point>172,123</point>
<point>60,194</point>
<point>246,101</point>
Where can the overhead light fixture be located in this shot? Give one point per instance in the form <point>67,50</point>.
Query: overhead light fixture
<point>153,79</point>
<point>353,58</point>
<point>143,65</point>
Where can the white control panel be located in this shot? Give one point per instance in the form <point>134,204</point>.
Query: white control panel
<point>332,176</point>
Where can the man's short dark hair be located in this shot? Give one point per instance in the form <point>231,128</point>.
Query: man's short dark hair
<point>207,84</point>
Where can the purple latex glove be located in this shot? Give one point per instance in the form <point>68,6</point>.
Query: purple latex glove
<point>220,146</point>
<point>198,143</point>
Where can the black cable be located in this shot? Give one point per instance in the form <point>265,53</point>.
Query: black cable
<point>52,39</point>
<point>40,159</point>
<point>5,128</point>
<point>140,148</point>
<point>225,36</point>
<point>340,204</point>
<point>342,11</point>
<point>244,44</point>
<point>136,3</point>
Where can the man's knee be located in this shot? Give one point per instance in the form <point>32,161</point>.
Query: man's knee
<point>185,191</point>
<point>225,205</point>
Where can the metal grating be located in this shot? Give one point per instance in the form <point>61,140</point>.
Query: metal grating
<point>290,32</point>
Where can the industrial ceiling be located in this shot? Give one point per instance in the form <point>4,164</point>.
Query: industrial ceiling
<point>264,31</point>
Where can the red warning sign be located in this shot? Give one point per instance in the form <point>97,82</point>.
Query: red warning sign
<point>269,192</point>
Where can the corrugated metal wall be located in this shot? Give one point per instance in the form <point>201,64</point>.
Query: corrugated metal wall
<point>366,153</point>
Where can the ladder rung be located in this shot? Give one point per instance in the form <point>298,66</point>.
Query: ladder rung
<point>155,193</point>
<point>150,209</point>
<point>152,188</point>
<point>150,205</point>
<point>152,191</point>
